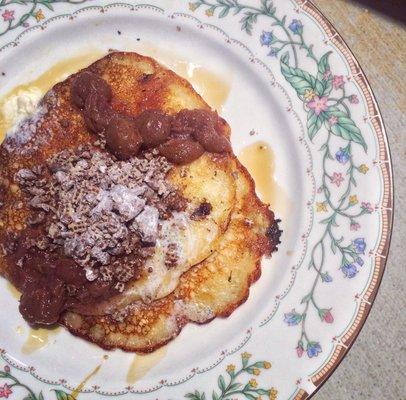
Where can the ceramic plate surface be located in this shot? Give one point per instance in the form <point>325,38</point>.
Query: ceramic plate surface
<point>284,79</point>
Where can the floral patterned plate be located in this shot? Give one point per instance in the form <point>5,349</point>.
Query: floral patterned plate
<point>287,80</point>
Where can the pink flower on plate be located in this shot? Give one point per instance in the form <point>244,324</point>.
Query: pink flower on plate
<point>328,317</point>
<point>299,351</point>
<point>5,391</point>
<point>354,99</point>
<point>354,226</point>
<point>8,15</point>
<point>333,120</point>
<point>338,81</point>
<point>367,206</point>
<point>337,178</point>
<point>318,104</point>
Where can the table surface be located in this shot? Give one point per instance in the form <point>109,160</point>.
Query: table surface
<point>375,367</point>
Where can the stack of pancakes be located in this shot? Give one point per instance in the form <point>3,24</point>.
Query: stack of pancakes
<point>222,253</point>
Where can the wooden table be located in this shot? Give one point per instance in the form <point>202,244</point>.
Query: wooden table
<point>374,368</point>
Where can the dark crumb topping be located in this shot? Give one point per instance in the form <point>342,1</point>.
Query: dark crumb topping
<point>201,212</point>
<point>101,215</point>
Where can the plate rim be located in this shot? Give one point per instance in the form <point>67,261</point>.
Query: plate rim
<point>387,196</point>
<point>337,39</point>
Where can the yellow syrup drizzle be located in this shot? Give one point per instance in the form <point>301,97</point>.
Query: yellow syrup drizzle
<point>37,339</point>
<point>259,160</point>
<point>74,395</point>
<point>44,82</point>
<point>14,291</point>
<point>213,87</point>
<point>210,86</point>
<point>20,330</point>
<point>141,364</point>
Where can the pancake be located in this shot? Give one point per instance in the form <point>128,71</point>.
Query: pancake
<point>62,127</point>
<point>213,288</point>
<point>201,180</point>
<point>221,254</point>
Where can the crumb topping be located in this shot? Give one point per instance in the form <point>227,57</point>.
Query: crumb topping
<point>98,208</point>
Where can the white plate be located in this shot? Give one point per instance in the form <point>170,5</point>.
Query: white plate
<point>298,322</point>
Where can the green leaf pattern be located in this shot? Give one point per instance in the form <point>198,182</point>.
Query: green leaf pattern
<point>61,395</point>
<point>314,123</point>
<point>328,108</point>
<point>345,127</point>
<point>323,68</point>
<point>33,15</point>
<point>300,80</point>
<point>229,387</point>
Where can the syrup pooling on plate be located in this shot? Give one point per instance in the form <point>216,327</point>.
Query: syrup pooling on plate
<point>37,339</point>
<point>212,85</point>
<point>213,88</point>
<point>259,159</point>
<point>141,364</point>
<point>13,291</point>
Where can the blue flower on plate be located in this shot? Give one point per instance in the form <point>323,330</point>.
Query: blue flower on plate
<point>266,38</point>
<point>296,27</point>
<point>325,277</point>
<point>292,318</point>
<point>342,156</point>
<point>359,245</point>
<point>313,349</point>
<point>349,270</point>
<point>359,261</point>
<point>273,52</point>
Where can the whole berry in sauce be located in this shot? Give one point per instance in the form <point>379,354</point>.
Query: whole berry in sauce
<point>154,127</point>
<point>122,137</point>
<point>42,301</point>
<point>188,121</point>
<point>181,151</point>
<point>211,140</point>
<point>85,83</point>
<point>97,112</point>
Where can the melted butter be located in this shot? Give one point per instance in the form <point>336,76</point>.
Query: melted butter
<point>213,87</point>
<point>143,363</point>
<point>13,290</point>
<point>259,160</point>
<point>36,89</point>
<point>20,330</point>
<point>74,395</point>
<point>37,339</point>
